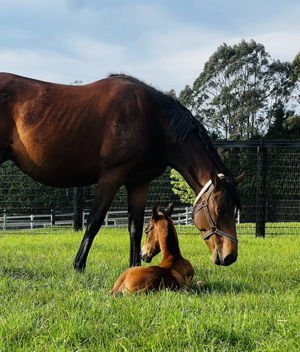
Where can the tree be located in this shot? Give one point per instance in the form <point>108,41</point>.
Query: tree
<point>234,95</point>
<point>181,188</point>
<point>295,77</point>
<point>285,124</point>
<point>292,123</point>
<point>295,74</point>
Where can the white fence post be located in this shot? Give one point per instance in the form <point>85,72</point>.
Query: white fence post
<point>186,215</point>
<point>31,221</point>
<point>4,220</point>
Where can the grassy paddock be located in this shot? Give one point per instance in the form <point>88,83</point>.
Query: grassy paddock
<point>252,305</point>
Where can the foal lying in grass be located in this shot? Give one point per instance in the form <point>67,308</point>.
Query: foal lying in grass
<point>173,272</point>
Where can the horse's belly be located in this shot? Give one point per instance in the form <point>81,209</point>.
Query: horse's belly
<point>64,170</point>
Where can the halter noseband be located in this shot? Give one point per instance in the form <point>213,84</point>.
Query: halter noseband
<point>204,204</point>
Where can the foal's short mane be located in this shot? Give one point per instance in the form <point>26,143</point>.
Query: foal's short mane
<point>173,243</point>
<point>182,124</point>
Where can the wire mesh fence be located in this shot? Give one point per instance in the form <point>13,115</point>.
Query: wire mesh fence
<point>270,194</point>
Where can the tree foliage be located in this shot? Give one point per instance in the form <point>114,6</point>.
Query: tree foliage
<point>181,188</point>
<point>235,94</point>
<point>295,74</point>
<point>295,78</point>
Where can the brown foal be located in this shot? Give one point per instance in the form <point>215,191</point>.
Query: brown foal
<point>174,272</point>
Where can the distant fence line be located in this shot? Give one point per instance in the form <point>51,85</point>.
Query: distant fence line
<point>181,216</point>
<point>270,192</point>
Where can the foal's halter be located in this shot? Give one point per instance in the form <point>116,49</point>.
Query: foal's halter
<point>204,204</point>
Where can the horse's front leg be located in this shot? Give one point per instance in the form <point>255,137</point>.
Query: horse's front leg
<point>137,197</point>
<point>105,193</point>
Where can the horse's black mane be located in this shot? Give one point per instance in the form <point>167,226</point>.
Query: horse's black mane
<point>182,124</point>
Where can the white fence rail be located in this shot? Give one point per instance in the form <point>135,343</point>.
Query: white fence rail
<point>181,216</point>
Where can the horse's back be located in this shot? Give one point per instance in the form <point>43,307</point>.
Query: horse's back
<point>65,135</point>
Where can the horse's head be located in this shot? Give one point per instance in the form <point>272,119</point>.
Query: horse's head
<point>151,246</point>
<point>214,214</point>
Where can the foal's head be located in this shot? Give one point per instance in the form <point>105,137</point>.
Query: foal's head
<point>158,224</point>
<point>214,214</point>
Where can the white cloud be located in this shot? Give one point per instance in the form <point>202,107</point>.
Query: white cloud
<point>282,45</point>
<point>177,57</point>
<point>44,65</point>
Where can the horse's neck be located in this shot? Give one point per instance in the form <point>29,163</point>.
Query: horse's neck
<point>169,245</point>
<point>191,160</point>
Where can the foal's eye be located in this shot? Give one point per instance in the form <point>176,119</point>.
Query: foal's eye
<point>148,229</point>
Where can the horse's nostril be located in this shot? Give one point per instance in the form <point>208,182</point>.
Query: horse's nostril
<point>217,258</point>
<point>230,259</point>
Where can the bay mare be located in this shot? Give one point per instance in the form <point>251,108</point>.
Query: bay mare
<point>174,271</point>
<point>113,132</point>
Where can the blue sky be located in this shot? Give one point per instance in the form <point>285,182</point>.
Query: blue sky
<point>165,43</point>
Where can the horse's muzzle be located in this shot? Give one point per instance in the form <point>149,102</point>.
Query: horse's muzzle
<point>228,260</point>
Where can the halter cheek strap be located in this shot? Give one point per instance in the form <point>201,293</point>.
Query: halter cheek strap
<point>205,188</point>
<point>214,230</point>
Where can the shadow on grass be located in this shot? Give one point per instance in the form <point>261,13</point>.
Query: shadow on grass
<point>89,280</point>
<point>221,287</point>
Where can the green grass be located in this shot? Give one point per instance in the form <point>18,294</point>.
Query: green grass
<point>252,305</point>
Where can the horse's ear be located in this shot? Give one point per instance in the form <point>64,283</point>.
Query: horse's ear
<point>240,178</point>
<point>214,177</point>
<point>170,209</point>
<point>154,212</point>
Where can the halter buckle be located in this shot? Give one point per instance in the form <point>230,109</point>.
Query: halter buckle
<point>204,203</point>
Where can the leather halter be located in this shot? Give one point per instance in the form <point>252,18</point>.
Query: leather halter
<point>204,204</point>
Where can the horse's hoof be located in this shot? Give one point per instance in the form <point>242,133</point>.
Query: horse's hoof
<point>78,267</point>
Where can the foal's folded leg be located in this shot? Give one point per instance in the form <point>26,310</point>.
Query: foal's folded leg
<point>120,284</point>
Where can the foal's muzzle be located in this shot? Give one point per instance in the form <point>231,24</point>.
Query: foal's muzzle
<point>145,257</point>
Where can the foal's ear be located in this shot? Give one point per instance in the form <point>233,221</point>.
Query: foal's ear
<point>169,210</point>
<point>154,212</point>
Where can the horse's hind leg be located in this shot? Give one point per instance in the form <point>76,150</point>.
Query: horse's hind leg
<point>137,197</point>
<point>105,193</point>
